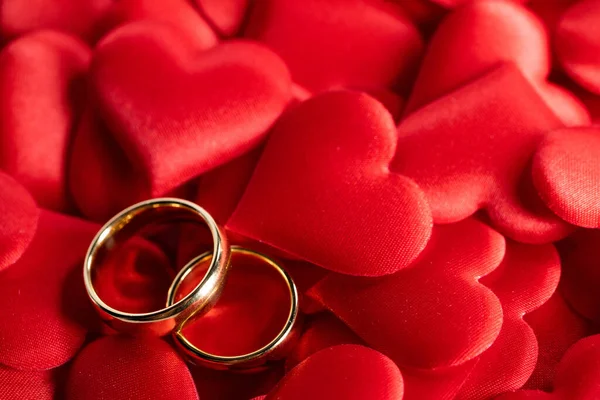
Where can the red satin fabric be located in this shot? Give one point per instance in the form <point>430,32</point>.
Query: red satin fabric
<point>426,170</point>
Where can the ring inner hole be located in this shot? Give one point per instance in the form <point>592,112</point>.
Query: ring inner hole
<point>251,312</point>
<point>135,267</point>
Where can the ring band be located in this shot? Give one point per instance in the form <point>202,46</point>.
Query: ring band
<point>258,359</point>
<point>122,227</point>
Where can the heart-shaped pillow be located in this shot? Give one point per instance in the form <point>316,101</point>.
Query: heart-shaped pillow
<point>38,111</point>
<point>119,367</point>
<point>19,385</point>
<point>18,220</point>
<point>191,111</point>
<point>471,150</point>
<point>523,282</point>
<point>97,157</point>
<point>179,14</point>
<point>322,331</point>
<point>504,32</point>
<point>577,376</point>
<point>347,372</point>
<point>577,43</point>
<point>77,17</point>
<point>402,314</point>
<point>339,43</point>
<point>324,173</point>
<point>566,174</point>
<point>45,290</point>
<point>581,273</point>
<point>557,327</point>
<point>226,16</point>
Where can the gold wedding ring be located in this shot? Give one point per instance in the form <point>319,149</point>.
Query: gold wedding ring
<point>124,226</point>
<point>275,350</point>
<point>177,314</point>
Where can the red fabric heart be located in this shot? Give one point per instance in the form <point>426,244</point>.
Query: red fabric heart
<point>458,3</point>
<point>18,220</point>
<point>505,32</point>
<point>120,368</point>
<point>438,383</point>
<point>338,43</point>
<point>581,273</point>
<point>523,282</point>
<point>592,102</point>
<point>324,173</point>
<point>96,157</point>
<point>213,384</point>
<point>38,111</point>
<point>179,14</point>
<point>566,174</point>
<point>423,13</point>
<point>44,311</point>
<point>19,385</point>
<point>77,17</point>
<point>578,43</point>
<point>164,127</point>
<point>348,372</point>
<point>226,16</point>
<point>549,12</point>
<point>322,331</point>
<point>220,190</point>
<point>440,290</point>
<point>471,150</point>
<point>577,376</point>
<point>556,328</point>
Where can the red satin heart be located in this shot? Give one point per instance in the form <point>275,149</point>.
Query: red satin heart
<point>120,368</point>
<point>458,3</point>
<point>338,43</point>
<point>213,384</point>
<point>44,311</point>
<point>578,43</point>
<point>556,328</point>
<point>77,17</point>
<point>226,16</point>
<point>577,376</point>
<point>401,315</point>
<point>549,12</point>
<point>523,282</point>
<point>191,111</point>
<point>424,13</point>
<point>347,372</point>
<point>179,14</point>
<point>437,383</point>
<point>471,150</point>
<point>97,157</point>
<point>18,220</point>
<point>592,102</point>
<point>505,32</point>
<point>19,385</point>
<point>566,174</point>
<point>324,174</point>
<point>322,331</point>
<point>581,273</point>
<point>38,110</point>
<point>220,190</point>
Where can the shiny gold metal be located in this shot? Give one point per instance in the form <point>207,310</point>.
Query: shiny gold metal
<point>258,359</point>
<point>124,226</point>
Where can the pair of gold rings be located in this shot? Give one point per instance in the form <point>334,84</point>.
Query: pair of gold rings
<point>178,313</point>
